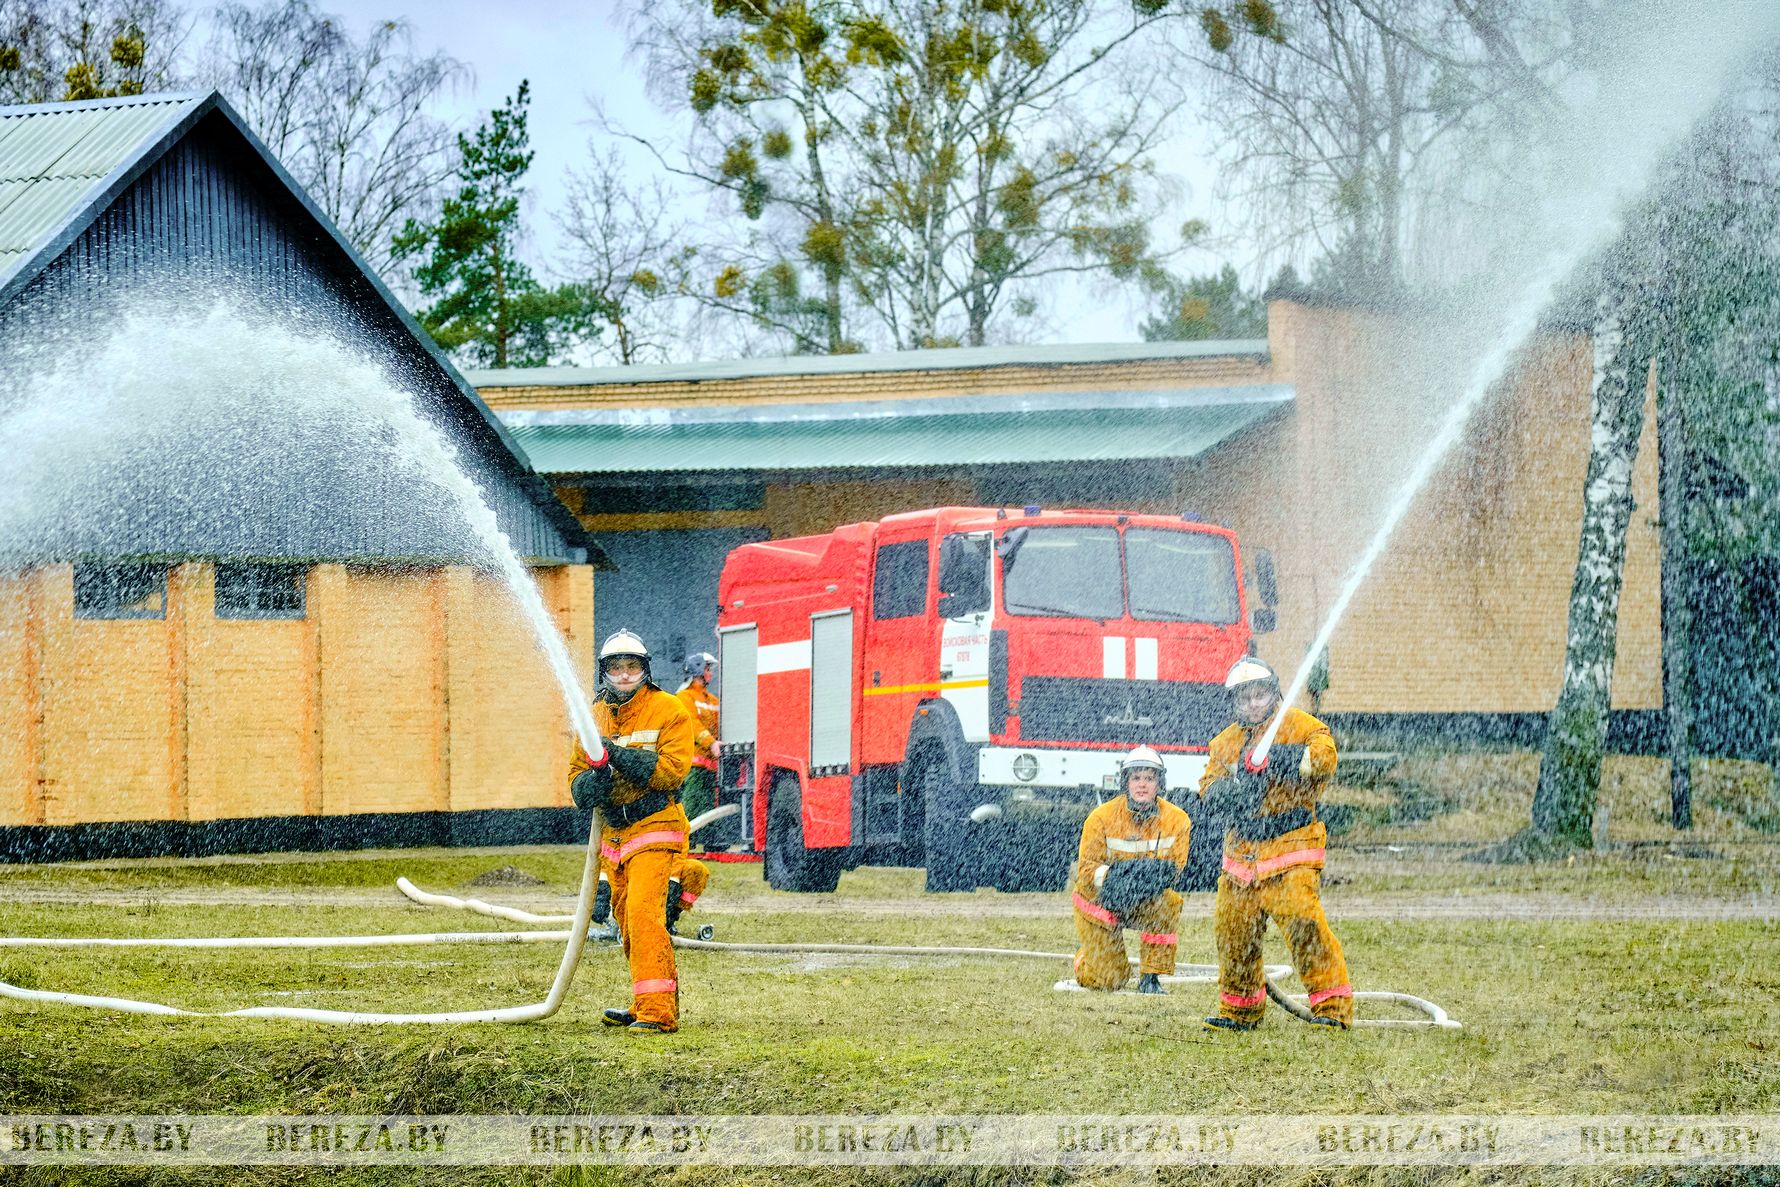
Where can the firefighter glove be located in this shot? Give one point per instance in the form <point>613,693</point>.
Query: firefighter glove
<point>1130,884</point>
<point>1266,828</point>
<point>1285,764</point>
<point>1237,796</point>
<point>637,766</point>
<point>592,788</point>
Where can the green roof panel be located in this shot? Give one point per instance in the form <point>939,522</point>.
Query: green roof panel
<point>55,159</point>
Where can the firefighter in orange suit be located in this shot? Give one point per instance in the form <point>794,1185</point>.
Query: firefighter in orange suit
<point>635,788</point>
<point>699,793</point>
<point>1273,852</point>
<point>1132,853</point>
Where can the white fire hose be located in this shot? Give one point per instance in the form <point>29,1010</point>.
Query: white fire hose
<point>559,987</point>
<point>576,938</point>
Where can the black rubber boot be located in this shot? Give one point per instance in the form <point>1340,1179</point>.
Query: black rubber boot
<point>602,902</point>
<point>1321,1021</point>
<point>617,1017</point>
<point>1219,1022</point>
<point>1150,983</point>
<point>673,905</point>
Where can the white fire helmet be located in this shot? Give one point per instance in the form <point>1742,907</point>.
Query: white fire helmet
<point>1249,670</point>
<point>623,642</point>
<point>1141,758</point>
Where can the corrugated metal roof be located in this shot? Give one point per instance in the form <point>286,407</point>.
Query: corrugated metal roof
<point>960,358</point>
<point>993,430</point>
<point>56,157</point>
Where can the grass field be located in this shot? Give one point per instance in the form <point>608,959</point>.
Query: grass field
<point>1642,979</point>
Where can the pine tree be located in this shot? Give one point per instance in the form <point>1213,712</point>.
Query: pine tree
<point>487,307</point>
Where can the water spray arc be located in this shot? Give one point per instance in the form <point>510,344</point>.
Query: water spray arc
<point>352,390</point>
<point>1662,67</point>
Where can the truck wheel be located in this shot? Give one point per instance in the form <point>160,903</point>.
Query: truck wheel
<point>789,865</point>
<point>946,829</point>
<point>1032,856</point>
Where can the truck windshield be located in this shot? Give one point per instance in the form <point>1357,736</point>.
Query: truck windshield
<point>1074,572</point>
<point>1180,576</point>
<point>1065,573</point>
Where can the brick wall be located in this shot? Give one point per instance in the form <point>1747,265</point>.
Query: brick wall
<point>1465,609</point>
<point>252,736</point>
<point>1135,375</point>
<point>399,691</point>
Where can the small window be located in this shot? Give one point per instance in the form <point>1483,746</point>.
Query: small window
<point>899,588</point>
<point>259,591</point>
<point>120,591</point>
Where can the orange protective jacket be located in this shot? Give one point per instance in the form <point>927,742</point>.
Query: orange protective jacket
<point>1249,861</point>
<point>1112,835</point>
<point>650,720</point>
<point>703,704</point>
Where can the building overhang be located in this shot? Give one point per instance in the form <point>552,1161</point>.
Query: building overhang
<point>1086,426</point>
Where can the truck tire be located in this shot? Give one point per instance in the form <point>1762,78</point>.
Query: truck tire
<point>788,864</point>
<point>947,849</point>
<point>1032,856</point>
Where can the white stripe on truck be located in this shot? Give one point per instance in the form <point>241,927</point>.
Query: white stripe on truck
<point>1145,659</point>
<point>782,657</point>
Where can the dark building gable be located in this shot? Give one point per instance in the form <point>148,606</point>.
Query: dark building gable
<point>200,221</point>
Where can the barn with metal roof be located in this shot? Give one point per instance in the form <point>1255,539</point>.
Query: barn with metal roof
<point>241,605</point>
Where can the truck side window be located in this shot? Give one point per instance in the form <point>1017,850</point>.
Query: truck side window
<point>899,587</point>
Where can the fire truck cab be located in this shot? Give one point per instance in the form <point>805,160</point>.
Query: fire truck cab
<point>953,688</point>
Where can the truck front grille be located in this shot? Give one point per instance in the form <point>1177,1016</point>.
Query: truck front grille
<point>1079,709</point>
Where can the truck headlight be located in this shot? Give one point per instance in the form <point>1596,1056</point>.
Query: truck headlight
<point>1026,767</point>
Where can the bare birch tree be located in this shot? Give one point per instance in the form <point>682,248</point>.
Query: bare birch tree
<point>627,256</point>
<point>1369,132</point>
<point>1576,739</point>
<point>350,117</point>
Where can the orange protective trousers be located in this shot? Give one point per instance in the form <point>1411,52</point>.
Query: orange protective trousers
<point>1102,963</point>
<point>639,901</point>
<point>1290,899</point>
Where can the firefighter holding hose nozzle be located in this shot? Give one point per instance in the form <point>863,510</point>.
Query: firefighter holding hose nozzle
<point>1132,852</point>
<point>1273,852</point>
<point>635,788</point>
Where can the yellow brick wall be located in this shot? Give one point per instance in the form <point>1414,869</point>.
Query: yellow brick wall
<point>20,801</point>
<point>1465,609</point>
<point>1136,375</point>
<point>383,727</point>
<point>399,691</point>
<point>498,679</point>
<point>252,741</point>
<point>810,508</point>
<point>105,690</point>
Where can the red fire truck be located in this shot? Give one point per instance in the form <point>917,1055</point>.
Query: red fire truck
<point>953,688</point>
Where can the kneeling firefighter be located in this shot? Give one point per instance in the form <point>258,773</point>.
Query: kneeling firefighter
<point>1133,850</point>
<point>1273,852</point>
<point>635,789</point>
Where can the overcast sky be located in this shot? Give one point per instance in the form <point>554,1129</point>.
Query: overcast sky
<point>571,51</point>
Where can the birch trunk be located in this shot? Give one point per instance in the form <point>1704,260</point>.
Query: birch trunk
<point>1677,583</point>
<point>1576,737</point>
